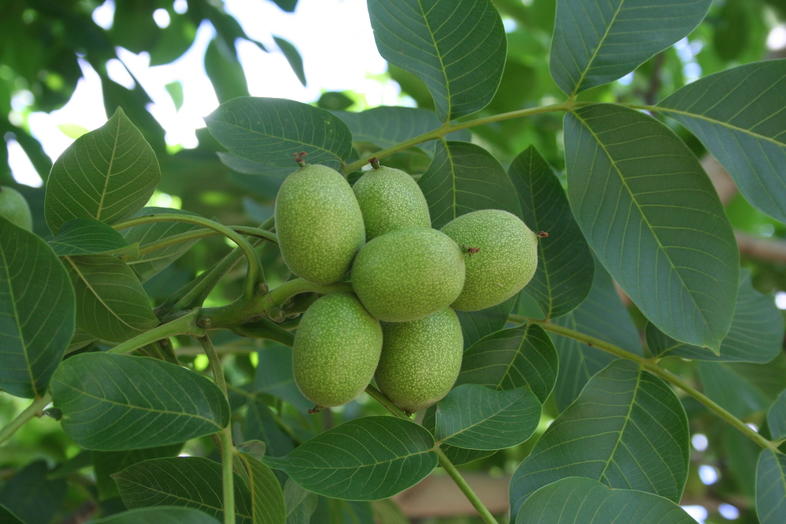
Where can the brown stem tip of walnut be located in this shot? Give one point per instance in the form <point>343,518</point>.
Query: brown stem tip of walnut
<point>542,234</point>
<point>315,409</point>
<point>471,250</point>
<point>300,158</point>
<point>374,161</point>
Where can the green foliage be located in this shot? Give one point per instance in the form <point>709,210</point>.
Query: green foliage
<point>644,323</point>
<point>14,208</point>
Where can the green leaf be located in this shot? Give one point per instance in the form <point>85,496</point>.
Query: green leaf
<point>86,236</point>
<point>31,496</point>
<point>37,311</point>
<point>597,42</point>
<point>742,389</point>
<point>110,301</point>
<point>771,487</point>
<point>564,275</point>
<point>106,463</point>
<point>118,402</point>
<point>293,57</point>
<point>274,376</point>
<point>364,459</point>
<point>478,417</point>
<point>464,177</point>
<point>388,126</point>
<point>193,482</point>
<point>159,515</point>
<point>300,503</point>
<point>776,417</point>
<point>457,48</point>
<point>654,220</point>
<point>512,358</point>
<point>259,424</point>
<point>756,332</point>
<point>575,499</point>
<point>8,517</point>
<point>267,499</point>
<point>271,130</point>
<point>738,116</point>
<point>601,315</point>
<point>477,324</point>
<point>626,429</point>
<point>150,264</point>
<point>224,70</point>
<point>106,174</point>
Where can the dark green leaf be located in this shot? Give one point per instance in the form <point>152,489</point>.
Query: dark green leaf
<point>31,496</point>
<point>86,236</point>
<point>756,332</point>
<point>564,275</point>
<point>293,57</point>
<point>300,503</point>
<point>270,130</point>
<point>267,499</point>
<point>512,358</point>
<point>224,70</point>
<point>743,389</point>
<point>457,48</point>
<point>477,324</point>
<point>464,177</point>
<point>8,517</point>
<point>626,429</point>
<point>601,315</point>
<point>574,499</point>
<point>106,463</point>
<point>274,376</point>
<point>738,116</point>
<point>110,301</point>
<point>776,417</point>
<point>597,42</point>
<point>771,488</point>
<point>365,459</point>
<point>657,224</point>
<point>286,5</point>
<point>146,235</point>
<point>478,417</point>
<point>159,515</point>
<point>106,174</point>
<point>193,482</point>
<point>117,402</point>
<point>259,424</point>
<point>36,311</point>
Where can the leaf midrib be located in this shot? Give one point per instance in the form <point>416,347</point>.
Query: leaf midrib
<point>597,48</point>
<point>108,172</point>
<point>721,123</point>
<point>442,69</point>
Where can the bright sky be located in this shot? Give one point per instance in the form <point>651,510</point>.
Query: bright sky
<point>324,31</point>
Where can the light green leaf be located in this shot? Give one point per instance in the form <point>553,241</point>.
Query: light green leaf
<point>271,130</point>
<point>159,515</point>
<point>267,499</point>
<point>654,221</point>
<point>388,126</point>
<point>776,417</point>
<point>193,482</point>
<point>464,177</point>
<point>86,236</point>
<point>106,174</point>
<point>224,70</point>
<point>146,235</point>
<point>575,499</point>
<point>601,315</point>
<point>738,116</point>
<point>512,358</point>
<point>626,429</point>
<point>597,42</point>
<point>771,488</point>
<point>37,311</point>
<point>293,57</point>
<point>756,332</point>
<point>457,48</point>
<point>110,301</point>
<point>364,459</point>
<point>478,417</point>
<point>564,275</point>
<point>118,402</point>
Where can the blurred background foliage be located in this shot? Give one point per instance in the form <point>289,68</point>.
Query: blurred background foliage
<point>41,45</point>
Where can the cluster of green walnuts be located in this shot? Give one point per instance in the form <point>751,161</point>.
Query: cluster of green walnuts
<point>399,326</point>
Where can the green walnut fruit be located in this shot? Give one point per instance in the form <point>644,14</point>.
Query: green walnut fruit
<point>319,224</point>
<point>14,208</point>
<point>390,199</point>
<point>336,350</point>
<point>420,360</point>
<point>408,274</point>
<point>502,255</point>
